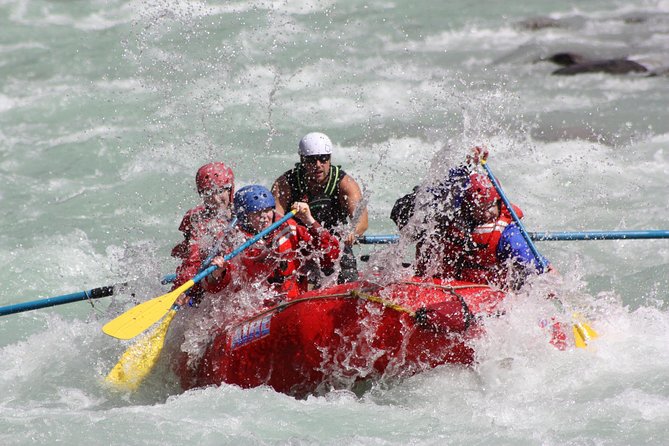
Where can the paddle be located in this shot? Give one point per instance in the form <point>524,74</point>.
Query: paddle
<point>600,235</point>
<point>138,360</point>
<point>549,236</point>
<point>94,293</point>
<point>168,278</point>
<point>138,319</point>
<point>582,331</point>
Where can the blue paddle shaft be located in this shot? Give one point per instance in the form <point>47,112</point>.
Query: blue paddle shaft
<point>378,239</point>
<point>204,273</point>
<point>217,247</point>
<point>600,235</point>
<point>95,293</point>
<point>523,232</point>
<point>549,236</point>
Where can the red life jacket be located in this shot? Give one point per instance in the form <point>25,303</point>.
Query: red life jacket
<point>198,226</point>
<point>197,223</point>
<point>278,259</point>
<point>274,260</point>
<point>483,264</point>
<point>439,256</point>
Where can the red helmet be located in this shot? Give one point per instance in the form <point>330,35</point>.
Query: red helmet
<point>481,191</point>
<point>214,176</point>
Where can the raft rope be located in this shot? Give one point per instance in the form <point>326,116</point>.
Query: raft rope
<point>384,302</point>
<point>359,294</point>
<point>363,294</point>
<point>445,287</point>
<point>469,316</point>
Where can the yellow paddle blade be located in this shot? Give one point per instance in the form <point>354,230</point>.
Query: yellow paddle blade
<point>587,329</point>
<point>139,318</point>
<point>579,337</point>
<point>140,358</point>
<point>582,331</point>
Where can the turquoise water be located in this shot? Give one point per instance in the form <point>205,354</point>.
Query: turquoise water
<point>107,108</point>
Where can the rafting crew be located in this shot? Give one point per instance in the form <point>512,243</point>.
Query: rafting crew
<point>279,261</point>
<point>461,227</point>
<point>334,197</point>
<point>463,230</point>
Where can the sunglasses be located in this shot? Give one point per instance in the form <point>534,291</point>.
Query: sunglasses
<point>313,158</point>
<point>218,190</point>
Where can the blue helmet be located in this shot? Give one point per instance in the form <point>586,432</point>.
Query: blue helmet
<point>252,198</point>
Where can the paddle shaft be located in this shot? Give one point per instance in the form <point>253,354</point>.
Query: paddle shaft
<point>549,236</point>
<point>523,232</point>
<point>95,293</point>
<point>139,318</point>
<point>205,272</point>
<point>600,235</point>
<point>169,278</point>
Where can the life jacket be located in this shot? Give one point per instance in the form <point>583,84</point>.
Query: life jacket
<point>440,254</point>
<point>325,206</point>
<point>483,265</point>
<point>274,260</point>
<point>280,260</point>
<point>197,223</point>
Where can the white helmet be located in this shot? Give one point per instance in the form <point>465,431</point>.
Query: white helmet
<point>315,144</point>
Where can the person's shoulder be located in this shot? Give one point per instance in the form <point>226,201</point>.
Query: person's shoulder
<point>287,174</point>
<point>292,171</point>
<point>294,230</point>
<point>512,237</point>
<point>286,178</point>
<point>506,214</point>
<point>196,210</point>
<point>347,181</point>
<point>349,189</point>
<point>190,214</point>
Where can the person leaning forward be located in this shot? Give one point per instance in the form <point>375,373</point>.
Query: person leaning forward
<point>474,237</point>
<point>333,196</point>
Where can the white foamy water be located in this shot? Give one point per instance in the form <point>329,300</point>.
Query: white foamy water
<point>108,108</point>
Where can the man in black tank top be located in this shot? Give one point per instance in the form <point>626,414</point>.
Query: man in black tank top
<point>333,196</point>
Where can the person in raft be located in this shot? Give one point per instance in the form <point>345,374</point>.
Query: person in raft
<point>279,260</point>
<point>333,196</point>
<point>216,185</point>
<point>473,237</point>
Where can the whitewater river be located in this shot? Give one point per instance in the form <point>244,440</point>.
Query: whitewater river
<point>108,107</point>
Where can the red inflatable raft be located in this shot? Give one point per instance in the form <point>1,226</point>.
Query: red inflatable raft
<point>334,337</point>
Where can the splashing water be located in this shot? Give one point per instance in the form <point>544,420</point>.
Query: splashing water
<point>108,108</point>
